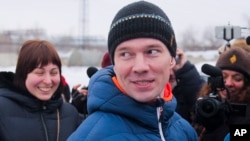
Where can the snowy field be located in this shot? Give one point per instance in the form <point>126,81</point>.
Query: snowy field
<point>78,75</point>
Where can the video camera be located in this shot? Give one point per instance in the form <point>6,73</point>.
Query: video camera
<point>211,110</point>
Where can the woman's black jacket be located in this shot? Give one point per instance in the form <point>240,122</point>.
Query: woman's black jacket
<point>25,118</point>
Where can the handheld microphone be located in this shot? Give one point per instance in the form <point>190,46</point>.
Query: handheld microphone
<point>211,70</point>
<point>91,71</point>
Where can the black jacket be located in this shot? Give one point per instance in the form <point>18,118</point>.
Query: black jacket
<point>24,118</point>
<point>189,83</point>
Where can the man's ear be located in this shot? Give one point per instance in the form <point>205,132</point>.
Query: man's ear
<point>172,62</point>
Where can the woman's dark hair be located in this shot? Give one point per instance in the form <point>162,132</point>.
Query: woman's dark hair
<point>34,53</point>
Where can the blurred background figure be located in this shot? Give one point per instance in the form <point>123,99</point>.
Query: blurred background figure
<point>186,83</point>
<point>241,42</point>
<point>79,94</point>
<point>66,90</point>
<point>105,60</point>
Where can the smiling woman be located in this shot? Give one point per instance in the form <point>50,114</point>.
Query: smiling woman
<point>43,63</point>
<point>33,97</point>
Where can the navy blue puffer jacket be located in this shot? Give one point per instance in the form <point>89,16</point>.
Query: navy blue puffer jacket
<point>25,118</point>
<point>115,116</point>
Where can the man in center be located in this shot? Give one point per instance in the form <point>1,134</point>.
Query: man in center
<point>132,99</point>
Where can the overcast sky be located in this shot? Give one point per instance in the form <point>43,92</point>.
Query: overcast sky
<point>63,16</point>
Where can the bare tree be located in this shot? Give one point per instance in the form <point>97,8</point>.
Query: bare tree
<point>192,40</point>
<point>189,41</point>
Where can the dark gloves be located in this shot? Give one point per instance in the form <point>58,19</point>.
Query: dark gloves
<point>80,102</point>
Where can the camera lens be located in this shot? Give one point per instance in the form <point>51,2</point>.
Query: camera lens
<point>208,107</point>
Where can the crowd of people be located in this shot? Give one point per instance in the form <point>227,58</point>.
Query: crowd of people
<point>145,88</point>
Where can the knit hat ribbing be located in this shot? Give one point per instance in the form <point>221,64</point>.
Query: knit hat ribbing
<point>141,19</point>
<point>235,59</point>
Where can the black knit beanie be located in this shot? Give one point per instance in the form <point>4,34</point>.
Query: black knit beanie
<point>236,59</point>
<point>141,19</point>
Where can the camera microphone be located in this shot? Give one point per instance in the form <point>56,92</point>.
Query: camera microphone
<point>248,40</point>
<point>211,70</point>
<point>91,71</point>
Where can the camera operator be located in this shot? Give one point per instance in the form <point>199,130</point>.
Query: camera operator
<point>235,68</point>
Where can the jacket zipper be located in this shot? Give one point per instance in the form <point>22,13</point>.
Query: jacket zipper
<point>159,111</point>
<point>159,123</point>
<point>44,125</point>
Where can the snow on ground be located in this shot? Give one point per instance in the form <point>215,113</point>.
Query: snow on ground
<point>78,75</point>
<point>207,54</point>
